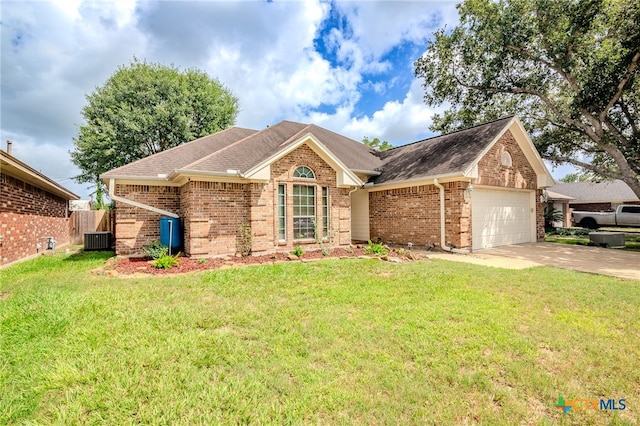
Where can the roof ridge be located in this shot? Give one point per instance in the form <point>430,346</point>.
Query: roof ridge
<point>295,135</point>
<point>448,134</point>
<point>208,156</point>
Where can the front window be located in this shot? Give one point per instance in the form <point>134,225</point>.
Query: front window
<point>304,211</point>
<point>325,211</point>
<point>304,172</point>
<point>282,212</point>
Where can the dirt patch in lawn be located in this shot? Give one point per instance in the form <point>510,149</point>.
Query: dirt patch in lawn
<point>131,266</point>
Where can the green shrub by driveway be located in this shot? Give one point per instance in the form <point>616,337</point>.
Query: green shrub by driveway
<point>331,342</point>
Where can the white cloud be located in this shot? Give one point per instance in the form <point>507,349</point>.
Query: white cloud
<point>378,26</point>
<point>55,53</point>
<point>398,122</point>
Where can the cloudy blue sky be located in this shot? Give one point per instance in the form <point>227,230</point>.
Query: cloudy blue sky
<point>346,66</point>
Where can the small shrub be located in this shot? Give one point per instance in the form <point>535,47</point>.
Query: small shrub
<point>402,252</point>
<point>298,251</point>
<point>166,261</point>
<point>566,232</point>
<point>202,261</point>
<point>325,252</point>
<point>377,249</point>
<point>155,250</point>
<point>551,216</point>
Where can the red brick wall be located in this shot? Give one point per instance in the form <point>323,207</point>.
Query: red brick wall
<point>136,227</point>
<point>23,198</point>
<point>412,214</point>
<point>21,232</point>
<point>519,175</point>
<point>28,213</point>
<point>591,207</point>
<point>212,214</point>
<point>339,199</point>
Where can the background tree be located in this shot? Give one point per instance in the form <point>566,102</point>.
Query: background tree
<point>376,144</point>
<point>146,108</point>
<point>579,177</point>
<point>568,68</point>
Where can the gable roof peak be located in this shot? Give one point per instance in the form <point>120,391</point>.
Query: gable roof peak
<point>488,123</point>
<point>449,154</point>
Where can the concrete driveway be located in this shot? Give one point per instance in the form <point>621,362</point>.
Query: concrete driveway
<point>598,260</point>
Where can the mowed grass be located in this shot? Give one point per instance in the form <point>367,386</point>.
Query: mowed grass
<point>332,342</point>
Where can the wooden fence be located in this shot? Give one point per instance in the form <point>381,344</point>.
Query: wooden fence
<point>90,221</point>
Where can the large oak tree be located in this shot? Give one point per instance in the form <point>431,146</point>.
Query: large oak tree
<point>568,68</point>
<point>146,108</point>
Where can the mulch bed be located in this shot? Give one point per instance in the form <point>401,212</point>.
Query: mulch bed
<point>137,265</point>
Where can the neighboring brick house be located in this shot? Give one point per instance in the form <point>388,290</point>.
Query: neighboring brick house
<point>296,184</point>
<point>32,206</point>
<point>596,196</point>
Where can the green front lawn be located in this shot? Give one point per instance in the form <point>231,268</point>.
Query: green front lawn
<point>332,342</point>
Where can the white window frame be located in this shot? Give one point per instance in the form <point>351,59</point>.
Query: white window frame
<point>304,170</point>
<point>282,208</point>
<point>325,211</point>
<point>305,217</point>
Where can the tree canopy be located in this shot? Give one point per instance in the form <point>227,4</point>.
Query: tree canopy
<point>578,177</point>
<point>568,68</point>
<point>377,144</point>
<point>146,108</point>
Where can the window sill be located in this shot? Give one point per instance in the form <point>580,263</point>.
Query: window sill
<point>305,241</point>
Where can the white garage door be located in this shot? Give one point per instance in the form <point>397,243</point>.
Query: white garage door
<point>500,217</point>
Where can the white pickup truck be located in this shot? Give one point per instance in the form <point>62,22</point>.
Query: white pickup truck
<point>624,215</point>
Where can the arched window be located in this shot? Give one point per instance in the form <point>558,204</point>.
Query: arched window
<point>506,159</point>
<point>304,172</point>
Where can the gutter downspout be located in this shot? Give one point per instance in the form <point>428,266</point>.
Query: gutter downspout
<point>135,203</point>
<point>443,243</point>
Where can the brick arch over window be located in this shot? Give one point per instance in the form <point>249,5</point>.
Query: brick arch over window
<point>304,172</point>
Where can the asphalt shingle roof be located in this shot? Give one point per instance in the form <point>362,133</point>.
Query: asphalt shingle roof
<point>612,191</point>
<point>242,149</point>
<point>180,156</point>
<point>440,155</point>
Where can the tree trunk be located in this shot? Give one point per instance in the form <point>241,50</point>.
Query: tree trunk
<point>634,184</point>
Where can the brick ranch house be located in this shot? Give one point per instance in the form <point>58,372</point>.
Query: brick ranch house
<point>296,184</point>
<point>32,206</point>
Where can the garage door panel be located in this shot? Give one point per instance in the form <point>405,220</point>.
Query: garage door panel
<point>500,218</point>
